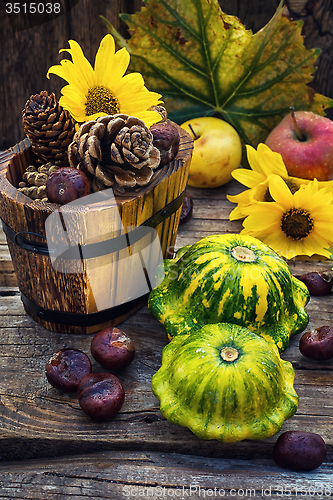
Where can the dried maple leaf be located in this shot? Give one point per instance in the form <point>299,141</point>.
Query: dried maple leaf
<point>205,62</point>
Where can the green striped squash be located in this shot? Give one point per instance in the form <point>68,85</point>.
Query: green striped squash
<point>225,382</point>
<point>230,278</point>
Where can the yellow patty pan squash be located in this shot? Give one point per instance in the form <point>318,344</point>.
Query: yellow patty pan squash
<point>230,278</point>
<point>225,382</point>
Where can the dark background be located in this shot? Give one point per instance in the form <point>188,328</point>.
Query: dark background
<point>27,50</point>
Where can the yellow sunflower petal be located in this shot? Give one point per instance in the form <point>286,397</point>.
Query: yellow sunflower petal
<point>321,197</point>
<point>81,62</point>
<point>104,54</point>
<point>253,159</point>
<point>68,72</point>
<point>321,238</point>
<point>148,117</point>
<point>325,184</point>
<point>140,105</point>
<point>260,192</point>
<point>133,97</point>
<point>313,246</point>
<point>247,177</point>
<point>269,217</point>
<point>318,244</point>
<point>82,65</point>
<point>58,70</point>
<point>324,215</point>
<point>239,212</point>
<point>310,197</point>
<point>271,162</point>
<point>76,111</point>
<point>105,81</point>
<point>130,84</point>
<point>93,116</point>
<point>110,66</point>
<point>74,94</point>
<point>68,103</point>
<point>279,190</point>
<point>279,243</point>
<point>241,198</point>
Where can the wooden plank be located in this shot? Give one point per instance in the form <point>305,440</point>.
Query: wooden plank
<point>142,454</point>
<point>7,275</point>
<point>8,279</point>
<point>124,474</point>
<point>38,420</point>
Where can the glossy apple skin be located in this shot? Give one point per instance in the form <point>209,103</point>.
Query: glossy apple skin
<point>308,159</point>
<point>216,153</point>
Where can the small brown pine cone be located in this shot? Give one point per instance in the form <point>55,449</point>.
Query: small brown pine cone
<point>117,150</point>
<point>34,180</point>
<point>49,127</point>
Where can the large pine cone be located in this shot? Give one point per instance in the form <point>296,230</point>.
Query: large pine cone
<point>117,150</point>
<point>49,127</point>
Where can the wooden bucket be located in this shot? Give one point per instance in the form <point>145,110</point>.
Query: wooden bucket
<point>77,298</point>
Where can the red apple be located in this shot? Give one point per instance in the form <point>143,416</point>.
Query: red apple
<point>305,143</point>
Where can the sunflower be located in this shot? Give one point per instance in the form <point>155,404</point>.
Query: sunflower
<point>104,89</point>
<point>263,162</point>
<point>293,224</point>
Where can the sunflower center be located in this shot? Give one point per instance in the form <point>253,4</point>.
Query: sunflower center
<point>101,100</point>
<point>297,223</point>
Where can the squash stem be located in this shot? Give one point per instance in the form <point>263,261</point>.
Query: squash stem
<point>243,254</point>
<point>229,354</point>
<point>300,135</point>
<point>195,136</point>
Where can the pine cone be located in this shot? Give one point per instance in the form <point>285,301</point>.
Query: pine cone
<point>117,150</point>
<point>34,179</point>
<point>49,127</point>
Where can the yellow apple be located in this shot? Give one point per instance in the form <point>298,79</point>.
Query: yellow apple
<point>217,151</point>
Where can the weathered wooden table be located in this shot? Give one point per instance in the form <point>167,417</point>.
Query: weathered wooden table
<point>51,450</point>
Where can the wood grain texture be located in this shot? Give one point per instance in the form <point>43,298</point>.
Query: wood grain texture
<point>124,474</point>
<point>28,54</point>
<point>49,421</point>
<point>139,448</point>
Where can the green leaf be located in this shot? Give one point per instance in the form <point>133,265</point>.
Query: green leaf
<point>206,62</point>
